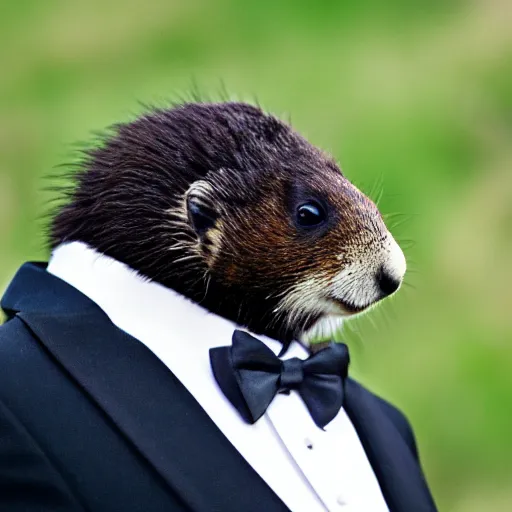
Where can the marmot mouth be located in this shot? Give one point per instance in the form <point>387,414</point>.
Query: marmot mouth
<point>348,307</point>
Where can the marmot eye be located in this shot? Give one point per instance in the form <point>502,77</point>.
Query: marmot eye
<point>310,214</point>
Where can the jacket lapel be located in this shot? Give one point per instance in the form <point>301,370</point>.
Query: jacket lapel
<point>133,387</point>
<point>398,472</point>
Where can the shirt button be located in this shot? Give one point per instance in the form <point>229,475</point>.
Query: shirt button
<point>340,501</point>
<point>308,443</point>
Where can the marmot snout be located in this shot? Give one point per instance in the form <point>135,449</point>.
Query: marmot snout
<point>232,208</point>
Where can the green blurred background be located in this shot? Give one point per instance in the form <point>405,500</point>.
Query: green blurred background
<point>413,98</point>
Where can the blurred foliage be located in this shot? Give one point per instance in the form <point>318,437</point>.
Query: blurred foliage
<point>414,99</point>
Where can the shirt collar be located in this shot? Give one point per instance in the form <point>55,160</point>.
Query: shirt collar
<point>139,306</point>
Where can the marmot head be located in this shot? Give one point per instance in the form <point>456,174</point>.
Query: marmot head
<point>233,209</point>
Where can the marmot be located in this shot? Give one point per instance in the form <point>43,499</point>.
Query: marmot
<point>232,208</point>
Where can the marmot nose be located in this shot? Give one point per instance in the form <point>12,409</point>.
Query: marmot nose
<point>388,283</point>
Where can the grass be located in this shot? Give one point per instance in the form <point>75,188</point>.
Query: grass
<point>415,102</point>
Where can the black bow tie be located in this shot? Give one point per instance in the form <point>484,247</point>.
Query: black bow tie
<point>250,375</point>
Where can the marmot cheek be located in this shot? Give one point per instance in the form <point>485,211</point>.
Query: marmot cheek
<point>376,271</point>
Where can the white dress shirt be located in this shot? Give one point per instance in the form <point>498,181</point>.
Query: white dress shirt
<point>310,469</point>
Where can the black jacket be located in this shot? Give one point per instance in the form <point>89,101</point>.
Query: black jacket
<point>91,420</point>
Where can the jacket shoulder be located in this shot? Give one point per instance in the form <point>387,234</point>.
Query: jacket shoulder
<point>396,416</point>
<point>17,369</point>
<point>13,334</point>
<point>14,338</point>
<point>32,482</point>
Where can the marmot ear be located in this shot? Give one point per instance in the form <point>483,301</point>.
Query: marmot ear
<point>201,211</point>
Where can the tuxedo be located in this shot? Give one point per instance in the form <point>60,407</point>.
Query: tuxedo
<point>91,419</point>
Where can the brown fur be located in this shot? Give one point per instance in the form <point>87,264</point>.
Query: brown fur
<point>250,171</point>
